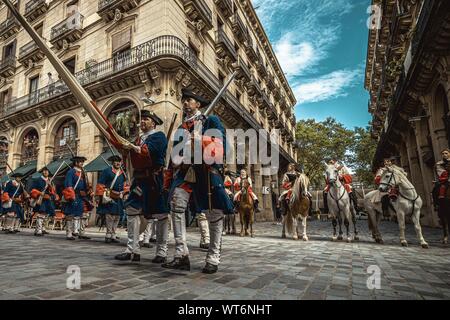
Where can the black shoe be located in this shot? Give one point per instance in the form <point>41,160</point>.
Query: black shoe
<point>84,238</point>
<point>153,240</point>
<point>159,259</point>
<point>141,244</point>
<point>136,257</point>
<point>70,238</point>
<point>210,268</point>
<point>123,256</point>
<point>45,232</point>
<point>178,264</point>
<point>107,240</point>
<point>204,246</point>
<point>38,234</point>
<point>115,241</point>
<point>16,231</point>
<point>147,245</point>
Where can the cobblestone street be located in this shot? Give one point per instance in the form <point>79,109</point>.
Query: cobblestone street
<point>265,267</point>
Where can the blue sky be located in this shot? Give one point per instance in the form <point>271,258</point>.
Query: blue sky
<point>322,47</point>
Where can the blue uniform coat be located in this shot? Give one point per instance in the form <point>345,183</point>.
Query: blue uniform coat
<point>146,191</point>
<point>11,188</point>
<point>106,178</point>
<point>47,206</point>
<point>219,198</point>
<point>74,207</point>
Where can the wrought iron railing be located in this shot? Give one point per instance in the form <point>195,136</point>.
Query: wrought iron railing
<point>26,49</point>
<point>161,46</point>
<point>237,21</point>
<point>422,23</point>
<point>205,9</point>
<point>32,4</point>
<point>64,26</point>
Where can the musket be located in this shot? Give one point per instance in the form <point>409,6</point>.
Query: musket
<point>169,135</point>
<point>41,196</point>
<point>222,91</point>
<point>88,104</point>
<point>21,183</point>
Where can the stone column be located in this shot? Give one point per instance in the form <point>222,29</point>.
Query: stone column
<point>421,132</point>
<point>416,172</point>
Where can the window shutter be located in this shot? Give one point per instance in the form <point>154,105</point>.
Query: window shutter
<point>121,40</point>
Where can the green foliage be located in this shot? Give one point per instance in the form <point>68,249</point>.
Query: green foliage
<point>320,141</point>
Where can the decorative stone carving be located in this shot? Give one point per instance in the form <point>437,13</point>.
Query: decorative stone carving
<point>155,75</point>
<point>117,15</point>
<point>181,80</point>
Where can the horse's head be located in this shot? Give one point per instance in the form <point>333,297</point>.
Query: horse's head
<point>332,174</point>
<point>387,180</point>
<point>245,186</point>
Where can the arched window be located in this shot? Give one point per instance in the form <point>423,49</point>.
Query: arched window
<point>66,139</point>
<point>124,118</point>
<point>30,146</point>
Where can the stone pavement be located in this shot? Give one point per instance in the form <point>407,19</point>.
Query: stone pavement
<point>265,267</point>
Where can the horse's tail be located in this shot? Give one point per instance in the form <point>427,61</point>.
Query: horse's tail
<point>289,221</point>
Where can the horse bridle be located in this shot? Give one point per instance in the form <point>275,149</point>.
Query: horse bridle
<point>389,184</point>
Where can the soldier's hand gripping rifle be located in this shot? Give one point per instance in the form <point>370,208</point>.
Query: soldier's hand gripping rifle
<point>39,200</point>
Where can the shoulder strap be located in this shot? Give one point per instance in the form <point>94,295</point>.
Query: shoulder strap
<point>17,190</point>
<point>78,181</point>
<point>115,178</point>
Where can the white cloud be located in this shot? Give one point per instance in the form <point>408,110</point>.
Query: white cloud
<point>303,31</point>
<point>327,87</point>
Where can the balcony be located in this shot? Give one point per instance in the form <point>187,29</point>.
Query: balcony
<point>224,47</point>
<point>243,70</point>
<point>111,69</point>
<point>107,8</point>
<point>30,53</point>
<point>69,30</point>
<point>226,7</point>
<point>199,13</point>
<point>253,88</point>
<point>270,82</point>
<point>277,92</point>
<point>239,28</point>
<point>34,9</point>
<point>250,49</point>
<point>260,66</point>
<point>272,113</point>
<point>8,67</point>
<point>8,28</point>
<point>293,121</point>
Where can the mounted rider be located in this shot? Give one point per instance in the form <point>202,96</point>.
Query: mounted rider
<point>238,183</point>
<point>346,178</point>
<point>443,175</point>
<point>288,182</point>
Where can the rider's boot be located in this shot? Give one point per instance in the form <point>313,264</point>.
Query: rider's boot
<point>255,206</point>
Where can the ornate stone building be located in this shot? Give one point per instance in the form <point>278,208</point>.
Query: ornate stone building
<point>408,77</point>
<point>127,53</point>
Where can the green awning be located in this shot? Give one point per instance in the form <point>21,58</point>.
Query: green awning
<point>53,166</point>
<point>26,170</point>
<point>100,163</point>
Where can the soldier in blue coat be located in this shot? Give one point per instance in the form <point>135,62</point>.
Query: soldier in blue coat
<point>43,195</point>
<point>75,193</point>
<point>14,195</point>
<point>146,193</point>
<point>203,181</point>
<point>110,190</point>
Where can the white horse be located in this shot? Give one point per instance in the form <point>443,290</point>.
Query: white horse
<point>374,213</point>
<point>408,202</point>
<point>338,203</point>
<point>298,207</point>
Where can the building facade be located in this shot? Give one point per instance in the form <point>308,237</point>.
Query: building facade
<point>408,77</point>
<point>123,51</point>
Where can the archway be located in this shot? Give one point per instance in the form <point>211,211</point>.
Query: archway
<point>66,139</point>
<point>30,146</point>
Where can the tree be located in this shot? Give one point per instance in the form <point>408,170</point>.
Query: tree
<point>362,153</point>
<point>320,141</point>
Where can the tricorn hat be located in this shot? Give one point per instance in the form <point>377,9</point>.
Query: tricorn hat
<point>115,158</point>
<point>186,93</point>
<point>46,168</point>
<point>151,115</point>
<point>78,158</point>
